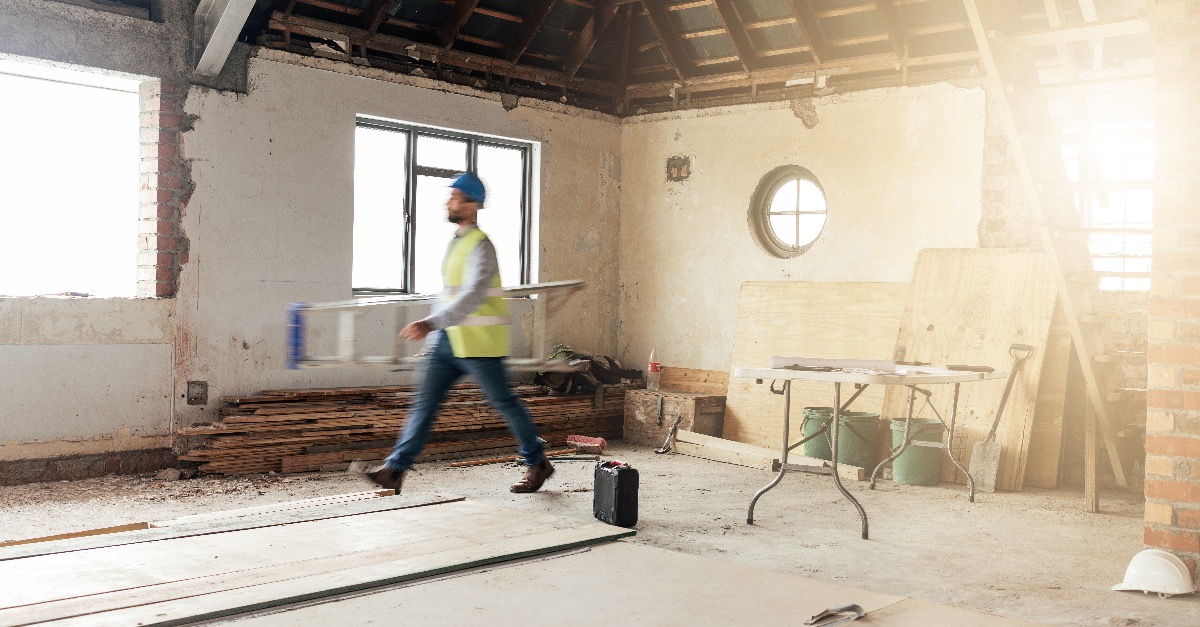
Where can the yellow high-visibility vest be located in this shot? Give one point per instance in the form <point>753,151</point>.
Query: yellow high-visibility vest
<point>484,333</point>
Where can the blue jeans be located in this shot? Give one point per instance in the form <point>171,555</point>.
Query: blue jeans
<point>442,370</point>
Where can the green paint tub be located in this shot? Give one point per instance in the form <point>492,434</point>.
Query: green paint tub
<point>857,439</point>
<point>918,465</point>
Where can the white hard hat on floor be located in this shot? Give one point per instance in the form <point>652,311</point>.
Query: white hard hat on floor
<point>1155,570</point>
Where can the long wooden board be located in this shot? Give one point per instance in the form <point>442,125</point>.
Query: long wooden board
<point>1046,438</point>
<point>968,306</point>
<point>832,320</point>
<point>201,578</point>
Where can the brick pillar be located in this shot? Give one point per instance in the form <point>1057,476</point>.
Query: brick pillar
<point>1173,400</point>
<point>165,187</point>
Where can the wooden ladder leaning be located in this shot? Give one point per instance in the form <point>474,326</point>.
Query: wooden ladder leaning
<point>1033,139</point>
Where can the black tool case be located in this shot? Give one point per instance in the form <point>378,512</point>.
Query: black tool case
<point>615,499</point>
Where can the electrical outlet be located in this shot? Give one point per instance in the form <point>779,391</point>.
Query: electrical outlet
<point>197,392</point>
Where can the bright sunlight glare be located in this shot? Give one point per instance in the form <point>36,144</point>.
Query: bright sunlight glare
<point>68,183</point>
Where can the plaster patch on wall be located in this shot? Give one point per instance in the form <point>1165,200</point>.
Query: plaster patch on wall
<point>121,440</point>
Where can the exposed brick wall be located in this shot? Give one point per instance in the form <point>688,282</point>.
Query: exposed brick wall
<point>1006,220</point>
<point>1172,519</point>
<point>165,188</point>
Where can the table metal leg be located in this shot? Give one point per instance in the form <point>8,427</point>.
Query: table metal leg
<point>837,480</point>
<point>787,407</point>
<point>950,449</point>
<point>912,393</point>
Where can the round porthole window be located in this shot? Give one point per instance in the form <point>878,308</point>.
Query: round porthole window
<point>787,212</point>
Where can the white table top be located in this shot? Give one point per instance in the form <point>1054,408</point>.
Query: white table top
<point>904,375</point>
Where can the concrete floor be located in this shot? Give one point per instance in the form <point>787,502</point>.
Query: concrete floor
<point>1034,555</point>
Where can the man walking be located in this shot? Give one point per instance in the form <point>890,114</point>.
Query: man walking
<point>468,332</point>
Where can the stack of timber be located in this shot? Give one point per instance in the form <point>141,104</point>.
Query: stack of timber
<point>314,429</point>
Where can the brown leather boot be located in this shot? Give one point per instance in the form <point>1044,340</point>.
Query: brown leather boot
<point>534,477</point>
<point>385,477</point>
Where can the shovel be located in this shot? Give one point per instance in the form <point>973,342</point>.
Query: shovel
<point>985,455</point>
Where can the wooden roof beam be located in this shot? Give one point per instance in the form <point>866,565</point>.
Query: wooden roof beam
<point>459,14</point>
<point>602,16</point>
<point>530,27</point>
<point>1085,32</point>
<point>803,11</point>
<point>374,15</point>
<point>741,41</point>
<point>895,27</point>
<point>661,24</point>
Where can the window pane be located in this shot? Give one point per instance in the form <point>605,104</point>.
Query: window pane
<point>433,233</point>
<point>439,152</point>
<point>785,198</point>
<point>81,237</point>
<point>379,188</point>
<point>503,173</point>
<point>811,198</point>
<point>784,228</point>
<point>810,228</point>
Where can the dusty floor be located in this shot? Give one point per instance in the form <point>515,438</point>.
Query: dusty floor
<point>1034,555</point>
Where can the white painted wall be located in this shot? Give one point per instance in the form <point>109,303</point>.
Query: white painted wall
<point>270,224</point>
<point>84,376</point>
<point>271,220</point>
<point>901,169</point>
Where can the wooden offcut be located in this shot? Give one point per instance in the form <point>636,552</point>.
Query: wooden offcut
<point>967,306</point>
<point>830,320</point>
<point>694,380</point>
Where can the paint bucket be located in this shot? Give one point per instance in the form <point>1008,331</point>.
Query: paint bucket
<point>857,437</point>
<point>918,465</point>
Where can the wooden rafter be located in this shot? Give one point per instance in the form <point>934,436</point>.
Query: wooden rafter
<point>671,47</point>
<point>741,42</point>
<point>602,16</point>
<point>530,27</point>
<point>626,32</point>
<point>373,15</point>
<point>895,27</point>
<point>803,11</point>
<point>475,62</point>
<point>459,14</point>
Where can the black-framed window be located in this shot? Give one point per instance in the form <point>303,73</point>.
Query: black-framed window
<point>402,176</point>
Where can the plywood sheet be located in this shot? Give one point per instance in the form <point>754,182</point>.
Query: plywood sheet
<point>967,307</point>
<point>1046,439</point>
<point>846,320</point>
<point>213,575</point>
<point>670,588</point>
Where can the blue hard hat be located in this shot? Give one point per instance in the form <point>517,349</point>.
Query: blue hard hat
<point>470,185</point>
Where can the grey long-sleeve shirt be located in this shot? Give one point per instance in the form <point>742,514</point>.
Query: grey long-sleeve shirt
<point>481,266</point>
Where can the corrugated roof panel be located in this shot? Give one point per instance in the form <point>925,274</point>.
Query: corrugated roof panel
<point>358,4</point>
<point>754,10</point>
<point>694,19</point>
<point>709,47</point>
<point>516,7</point>
<point>853,25</point>
<point>861,50</point>
<point>782,36</point>
<point>930,13</point>
<point>422,12</point>
<point>491,28</point>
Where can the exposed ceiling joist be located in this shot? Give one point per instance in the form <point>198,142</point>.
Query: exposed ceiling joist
<point>217,24</point>
<point>894,26</point>
<point>602,16</point>
<point>671,48</point>
<point>459,14</point>
<point>530,26</point>
<point>803,11</point>
<point>374,15</point>
<point>1085,32</point>
<point>728,17</point>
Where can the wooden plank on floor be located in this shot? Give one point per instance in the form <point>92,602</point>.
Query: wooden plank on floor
<point>967,307</point>
<point>831,320</point>
<point>269,567</point>
<point>721,450</point>
<point>80,534</point>
<point>274,507</point>
<point>221,525</point>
